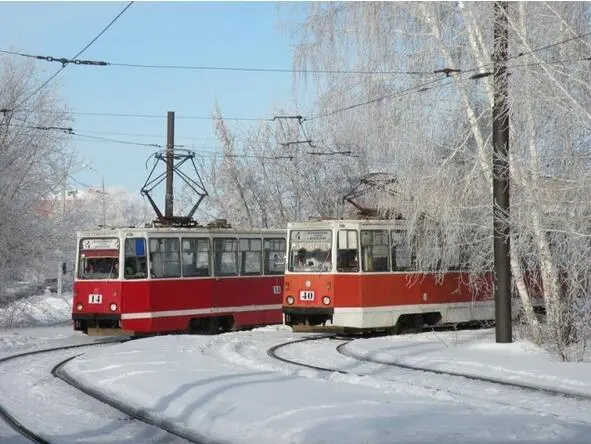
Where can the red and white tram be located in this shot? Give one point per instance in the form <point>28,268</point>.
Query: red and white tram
<point>373,283</point>
<point>136,281</point>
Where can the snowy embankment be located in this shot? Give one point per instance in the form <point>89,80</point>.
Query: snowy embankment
<point>188,381</point>
<point>21,320</point>
<point>44,309</point>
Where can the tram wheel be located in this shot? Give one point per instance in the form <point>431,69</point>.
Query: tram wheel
<point>213,326</point>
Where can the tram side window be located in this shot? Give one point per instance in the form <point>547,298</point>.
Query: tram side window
<point>251,257</point>
<point>225,256</point>
<point>135,259</point>
<point>165,258</point>
<point>347,251</point>
<point>274,253</point>
<point>400,251</point>
<point>195,257</point>
<point>374,250</point>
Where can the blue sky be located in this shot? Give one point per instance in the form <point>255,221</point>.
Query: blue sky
<point>238,34</point>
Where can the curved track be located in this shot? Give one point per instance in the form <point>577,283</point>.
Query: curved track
<point>341,349</point>
<point>137,414</point>
<point>522,386</point>
<point>11,419</point>
<point>139,424</point>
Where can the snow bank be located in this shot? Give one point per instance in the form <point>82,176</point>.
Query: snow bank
<point>45,309</point>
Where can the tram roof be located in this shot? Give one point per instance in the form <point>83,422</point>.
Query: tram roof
<point>141,231</point>
<point>346,223</point>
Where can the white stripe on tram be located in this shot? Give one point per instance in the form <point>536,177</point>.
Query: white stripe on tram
<point>199,311</point>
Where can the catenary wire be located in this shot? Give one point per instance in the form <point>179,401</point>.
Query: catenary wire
<point>88,45</point>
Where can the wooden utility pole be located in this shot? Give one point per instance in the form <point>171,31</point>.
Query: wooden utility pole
<point>501,177</point>
<point>169,202</point>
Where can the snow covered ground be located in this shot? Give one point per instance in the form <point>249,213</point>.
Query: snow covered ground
<point>225,389</point>
<point>36,322</point>
<point>475,353</point>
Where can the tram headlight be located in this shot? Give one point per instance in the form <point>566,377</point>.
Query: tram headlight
<point>113,307</point>
<point>326,300</point>
<point>290,300</point>
<point>79,306</point>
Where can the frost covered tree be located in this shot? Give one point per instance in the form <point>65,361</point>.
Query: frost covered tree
<point>32,165</point>
<point>269,175</point>
<point>425,114</point>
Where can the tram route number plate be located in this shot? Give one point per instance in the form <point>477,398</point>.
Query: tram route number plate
<point>306,295</point>
<point>95,298</point>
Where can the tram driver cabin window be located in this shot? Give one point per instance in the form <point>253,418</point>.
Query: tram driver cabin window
<point>310,251</point>
<point>98,258</point>
<point>135,266</point>
<point>165,258</point>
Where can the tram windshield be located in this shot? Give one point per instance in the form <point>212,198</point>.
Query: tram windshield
<point>310,251</point>
<point>98,258</point>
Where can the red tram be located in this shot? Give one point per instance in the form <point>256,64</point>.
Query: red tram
<point>373,284</point>
<point>136,281</point>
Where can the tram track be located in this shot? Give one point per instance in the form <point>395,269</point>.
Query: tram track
<point>486,394</point>
<point>517,385</point>
<point>9,418</point>
<point>134,421</point>
<point>135,413</point>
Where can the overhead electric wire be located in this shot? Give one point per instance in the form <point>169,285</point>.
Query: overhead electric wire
<point>447,72</point>
<point>270,70</point>
<point>125,142</point>
<point>88,45</point>
<point>162,116</point>
<point>522,54</point>
<point>416,89</point>
<point>204,152</point>
<point>399,93</point>
<point>74,60</point>
<point>158,136</point>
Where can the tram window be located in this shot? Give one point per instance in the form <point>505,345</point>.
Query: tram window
<point>165,258</point>
<point>135,266</point>
<point>428,251</point>
<point>274,253</point>
<point>347,251</point>
<point>374,250</point>
<point>400,251</point>
<point>195,257</point>
<point>251,257</point>
<point>98,258</point>
<point>225,257</point>
<point>310,251</point>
